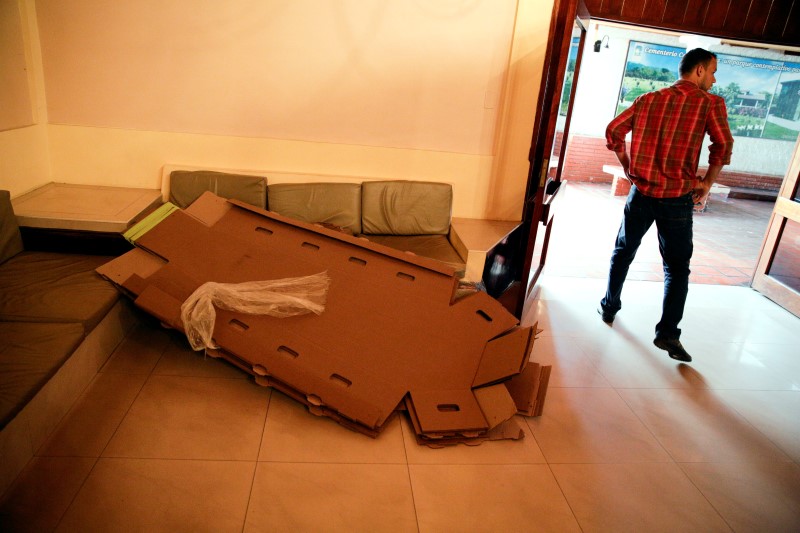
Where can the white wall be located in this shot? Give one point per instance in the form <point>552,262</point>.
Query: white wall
<point>398,74</point>
<point>16,109</point>
<point>442,91</point>
<point>24,147</point>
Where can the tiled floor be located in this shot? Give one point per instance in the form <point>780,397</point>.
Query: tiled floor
<point>167,440</point>
<point>727,238</point>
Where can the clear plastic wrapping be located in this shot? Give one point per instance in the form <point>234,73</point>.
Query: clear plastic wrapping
<point>279,298</point>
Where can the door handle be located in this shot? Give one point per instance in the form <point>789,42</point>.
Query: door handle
<point>552,189</point>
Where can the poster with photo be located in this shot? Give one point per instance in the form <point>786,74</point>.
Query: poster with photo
<point>762,96</point>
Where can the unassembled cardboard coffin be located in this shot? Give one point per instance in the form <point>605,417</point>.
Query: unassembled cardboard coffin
<point>392,334</point>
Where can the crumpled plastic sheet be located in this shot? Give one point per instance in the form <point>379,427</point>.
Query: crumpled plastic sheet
<point>279,298</point>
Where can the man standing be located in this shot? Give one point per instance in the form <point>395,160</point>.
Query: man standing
<point>668,127</point>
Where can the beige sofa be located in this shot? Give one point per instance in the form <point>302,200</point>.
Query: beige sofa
<point>411,216</point>
<point>59,322</point>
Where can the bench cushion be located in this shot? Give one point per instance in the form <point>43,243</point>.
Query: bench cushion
<point>30,354</point>
<point>186,186</point>
<point>406,208</point>
<point>338,204</point>
<point>434,246</point>
<point>10,239</point>
<point>53,287</point>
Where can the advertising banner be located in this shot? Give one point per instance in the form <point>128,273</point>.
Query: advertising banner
<point>762,96</point>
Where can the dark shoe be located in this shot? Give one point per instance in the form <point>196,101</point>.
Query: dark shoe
<point>674,348</point>
<point>608,318</point>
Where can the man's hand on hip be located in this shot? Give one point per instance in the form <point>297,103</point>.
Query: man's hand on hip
<point>701,190</point>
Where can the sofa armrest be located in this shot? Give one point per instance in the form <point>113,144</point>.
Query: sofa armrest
<point>10,238</point>
<point>475,238</point>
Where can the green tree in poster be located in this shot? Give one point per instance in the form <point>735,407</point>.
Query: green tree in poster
<point>730,91</point>
<point>637,70</point>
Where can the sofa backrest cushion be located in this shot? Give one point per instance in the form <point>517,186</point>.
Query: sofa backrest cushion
<point>337,204</point>
<point>186,186</point>
<point>405,207</point>
<point>10,239</point>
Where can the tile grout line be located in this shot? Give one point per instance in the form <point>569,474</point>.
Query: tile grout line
<point>100,455</point>
<point>257,461</point>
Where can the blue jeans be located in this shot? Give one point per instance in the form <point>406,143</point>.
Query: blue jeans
<point>673,218</point>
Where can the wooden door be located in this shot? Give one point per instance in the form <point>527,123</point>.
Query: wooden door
<point>777,274</point>
<point>559,80</point>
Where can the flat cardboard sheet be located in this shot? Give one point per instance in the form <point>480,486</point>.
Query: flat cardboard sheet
<point>392,333</point>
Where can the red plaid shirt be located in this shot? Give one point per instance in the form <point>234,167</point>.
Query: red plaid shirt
<point>668,128</point>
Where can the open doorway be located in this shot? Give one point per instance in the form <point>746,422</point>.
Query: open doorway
<point>618,63</point>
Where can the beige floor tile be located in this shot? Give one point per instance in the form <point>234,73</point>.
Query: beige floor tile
<point>139,352</point>
<point>523,451</point>
<point>699,320</point>
<point>162,495</point>
<point>292,434</point>
<point>90,424</point>
<point>592,425</point>
<point>751,497</point>
<point>179,359</point>
<point>726,365</point>
<point>781,358</point>
<point>571,366</point>
<point>16,449</point>
<point>780,317</point>
<point>768,326</point>
<point>330,497</point>
<point>489,498</point>
<point>315,475</point>
<point>697,426</point>
<point>559,317</point>
<point>773,413</point>
<point>42,493</point>
<point>724,301</point>
<point>193,418</point>
<point>642,497</point>
<point>629,359</point>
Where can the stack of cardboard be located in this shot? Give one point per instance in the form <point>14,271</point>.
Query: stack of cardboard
<point>392,336</point>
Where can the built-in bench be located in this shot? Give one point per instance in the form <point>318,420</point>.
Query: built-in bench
<point>745,193</point>
<point>59,322</point>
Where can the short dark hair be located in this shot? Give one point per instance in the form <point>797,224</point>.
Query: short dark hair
<point>692,58</point>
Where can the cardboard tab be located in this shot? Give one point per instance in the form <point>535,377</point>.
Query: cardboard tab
<point>529,387</point>
<point>496,404</point>
<point>501,356</point>
<point>136,261</point>
<point>447,411</point>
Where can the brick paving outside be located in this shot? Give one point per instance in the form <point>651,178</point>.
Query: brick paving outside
<point>727,238</point>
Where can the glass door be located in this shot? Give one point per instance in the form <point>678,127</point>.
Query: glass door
<point>777,274</point>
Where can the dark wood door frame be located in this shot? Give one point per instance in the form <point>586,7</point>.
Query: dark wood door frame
<point>763,21</point>
<point>555,62</point>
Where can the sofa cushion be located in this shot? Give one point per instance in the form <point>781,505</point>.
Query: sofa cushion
<point>406,208</point>
<point>433,246</point>
<point>53,287</point>
<point>186,186</point>
<point>10,239</point>
<point>30,354</point>
<point>338,204</point>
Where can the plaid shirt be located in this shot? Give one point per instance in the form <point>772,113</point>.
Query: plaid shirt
<point>668,128</point>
